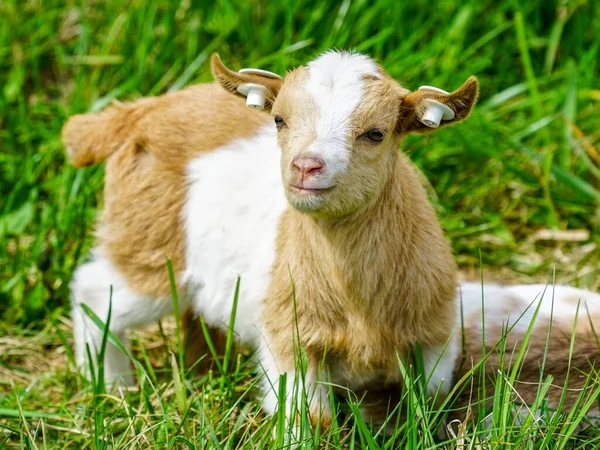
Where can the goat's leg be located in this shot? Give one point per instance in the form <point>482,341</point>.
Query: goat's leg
<point>439,362</point>
<point>91,286</point>
<point>301,386</point>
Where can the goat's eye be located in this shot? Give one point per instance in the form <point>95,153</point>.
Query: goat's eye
<point>375,135</point>
<point>279,122</point>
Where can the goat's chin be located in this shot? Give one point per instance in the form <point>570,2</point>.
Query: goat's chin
<point>323,204</point>
<point>306,201</point>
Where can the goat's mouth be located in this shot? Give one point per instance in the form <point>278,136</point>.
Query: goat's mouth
<point>309,190</point>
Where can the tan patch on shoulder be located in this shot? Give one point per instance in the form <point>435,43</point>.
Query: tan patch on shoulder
<point>140,226</point>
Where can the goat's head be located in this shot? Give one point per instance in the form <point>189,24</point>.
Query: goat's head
<point>340,121</point>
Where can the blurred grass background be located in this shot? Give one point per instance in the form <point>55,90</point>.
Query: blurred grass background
<point>527,160</point>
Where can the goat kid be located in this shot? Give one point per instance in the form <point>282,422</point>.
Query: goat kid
<point>325,221</point>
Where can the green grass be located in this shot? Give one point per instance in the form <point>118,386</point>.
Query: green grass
<point>528,159</point>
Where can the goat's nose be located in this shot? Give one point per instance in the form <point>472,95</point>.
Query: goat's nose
<point>308,166</point>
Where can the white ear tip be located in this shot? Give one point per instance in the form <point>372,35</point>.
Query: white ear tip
<point>435,111</point>
<point>255,95</point>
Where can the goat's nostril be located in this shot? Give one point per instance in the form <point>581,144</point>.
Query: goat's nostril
<point>308,166</point>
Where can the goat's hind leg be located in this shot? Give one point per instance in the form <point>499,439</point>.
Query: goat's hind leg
<point>300,387</point>
<point>91,286</point>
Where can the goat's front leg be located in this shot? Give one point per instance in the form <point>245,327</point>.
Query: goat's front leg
<point>304,390</point>
<point>382,395</point>
<point>439,361</point>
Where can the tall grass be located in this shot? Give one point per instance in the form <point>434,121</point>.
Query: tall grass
<point>170,409</point>
<point>526,160</point>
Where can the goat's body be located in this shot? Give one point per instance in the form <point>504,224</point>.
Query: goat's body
<point>157,183</point>
<point>231,222</point>
<point>226,222</point>
<point>563,340</point>
<point>149,146</point>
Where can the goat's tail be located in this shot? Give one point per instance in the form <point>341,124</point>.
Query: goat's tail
<point>91,138</point>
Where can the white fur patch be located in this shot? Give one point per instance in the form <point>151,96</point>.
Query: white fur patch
<point>91,286</point>
<point>235,201</point>
<point>299,387</point>
<point>439,361</point>
<point>558,302</point>
<point>336,84</point>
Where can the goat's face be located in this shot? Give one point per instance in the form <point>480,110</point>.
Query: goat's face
<point>340,120</point>
<point>337,128</point>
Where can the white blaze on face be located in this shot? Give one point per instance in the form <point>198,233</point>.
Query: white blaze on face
<point>336,84</point>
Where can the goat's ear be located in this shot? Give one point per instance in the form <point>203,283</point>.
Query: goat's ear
<point>415,104</point>
<point>231,80</point>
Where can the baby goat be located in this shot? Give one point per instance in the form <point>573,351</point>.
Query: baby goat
<point>325,221</point>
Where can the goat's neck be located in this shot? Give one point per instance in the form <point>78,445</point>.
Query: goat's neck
<point>367,245</point>
<point>359,225</point>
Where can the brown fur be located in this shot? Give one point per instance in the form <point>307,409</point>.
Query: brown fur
<point>373,274</point>
<point>460,101</point>
<point>148,144</point>
<point>230,80</point>
<point>346,272</point>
